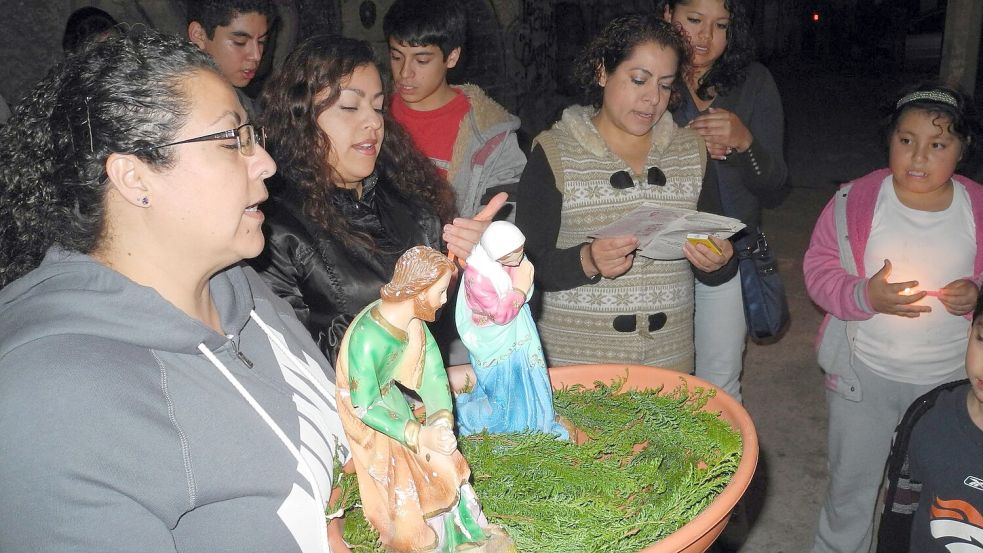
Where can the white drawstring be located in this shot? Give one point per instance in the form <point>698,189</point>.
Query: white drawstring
<point>302,465</point>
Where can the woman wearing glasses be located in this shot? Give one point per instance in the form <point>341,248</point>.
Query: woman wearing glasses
<point>352,192</point>
<point>154,394</point>
<point>601,303</point>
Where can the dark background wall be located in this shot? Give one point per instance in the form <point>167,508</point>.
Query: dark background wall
<point>520,51</point>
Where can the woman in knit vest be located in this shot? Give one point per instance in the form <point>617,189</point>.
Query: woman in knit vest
<point>602,304</point>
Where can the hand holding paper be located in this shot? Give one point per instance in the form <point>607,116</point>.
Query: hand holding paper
<point>662,231</point>
<point>706,259</point>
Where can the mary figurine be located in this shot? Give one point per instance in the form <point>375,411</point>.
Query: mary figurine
<point>512,392</point>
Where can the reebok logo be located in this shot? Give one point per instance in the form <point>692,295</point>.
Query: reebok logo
<point>974,482</point>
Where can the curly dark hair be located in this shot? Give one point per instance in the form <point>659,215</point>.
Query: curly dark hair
<point>963,120</point>
<point>116,96</point>
<point>291,106</point>
<point>220,13</point>
<point>614,45</point>
<point>730,69</point>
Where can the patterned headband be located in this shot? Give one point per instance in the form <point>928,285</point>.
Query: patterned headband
<point>930,95</point>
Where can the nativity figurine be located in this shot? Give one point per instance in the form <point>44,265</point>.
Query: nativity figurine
<point>413,482</point>
<point>511,391</point>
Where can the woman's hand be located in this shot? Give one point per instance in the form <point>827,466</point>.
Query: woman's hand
<point>718,151</point>
<point>959,296</point>
<point>705,259</point>
<point>886,297</point>
<point>463,233</point>
<point>437,437</point>
<point>611,257</point>
<point>723,132</point>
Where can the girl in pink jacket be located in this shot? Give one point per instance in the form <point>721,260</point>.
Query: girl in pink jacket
<point>895,261</point>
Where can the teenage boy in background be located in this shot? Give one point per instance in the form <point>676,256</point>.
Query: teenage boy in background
<point>234,33</point>
<point>470,138</point>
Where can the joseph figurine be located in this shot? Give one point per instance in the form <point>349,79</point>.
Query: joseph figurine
<point>412,479</point>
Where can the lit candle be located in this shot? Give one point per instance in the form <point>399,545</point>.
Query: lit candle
<point>912,292</point>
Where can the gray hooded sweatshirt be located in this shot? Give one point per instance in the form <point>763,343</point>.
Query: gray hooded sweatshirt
<point>126,425</point>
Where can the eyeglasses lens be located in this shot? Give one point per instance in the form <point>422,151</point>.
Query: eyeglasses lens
<point>248,136</point>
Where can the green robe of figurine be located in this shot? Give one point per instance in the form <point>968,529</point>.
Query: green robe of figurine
<point>417,500</point>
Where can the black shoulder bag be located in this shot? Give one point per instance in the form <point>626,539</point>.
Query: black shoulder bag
<point>765,304</point>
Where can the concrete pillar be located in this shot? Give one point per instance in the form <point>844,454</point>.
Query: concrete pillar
<point>961,45</point>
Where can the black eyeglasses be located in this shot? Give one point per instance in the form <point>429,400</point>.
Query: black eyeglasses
<point>247,136</point>
<point>622,179</point>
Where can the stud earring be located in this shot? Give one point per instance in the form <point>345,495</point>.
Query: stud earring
<point>144,201</point>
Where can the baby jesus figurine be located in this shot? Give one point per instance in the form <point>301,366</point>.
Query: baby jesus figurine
<point>512,391</point>
<point>412,479</point>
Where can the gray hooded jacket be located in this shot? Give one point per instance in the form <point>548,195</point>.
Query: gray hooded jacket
<point>486,158</point>
<point>128,426</point>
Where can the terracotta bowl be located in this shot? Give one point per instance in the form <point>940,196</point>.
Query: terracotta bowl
<point>699,534</point>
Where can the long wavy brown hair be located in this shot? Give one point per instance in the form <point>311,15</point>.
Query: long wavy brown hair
<point>292,102</point>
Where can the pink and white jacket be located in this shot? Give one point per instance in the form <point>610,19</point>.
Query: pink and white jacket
<point>843,295</point>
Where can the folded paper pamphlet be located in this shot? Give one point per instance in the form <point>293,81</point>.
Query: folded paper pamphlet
<point>661,231</point>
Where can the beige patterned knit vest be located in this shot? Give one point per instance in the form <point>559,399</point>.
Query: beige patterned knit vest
<point>577,325</point>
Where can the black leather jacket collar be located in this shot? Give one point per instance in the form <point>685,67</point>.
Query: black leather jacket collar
<point>327,283</point>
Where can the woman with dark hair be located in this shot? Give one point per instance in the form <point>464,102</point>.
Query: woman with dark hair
<point>353,192</point>
<point>599,162</point>
<point>733,103</point>
<point>154,394</point>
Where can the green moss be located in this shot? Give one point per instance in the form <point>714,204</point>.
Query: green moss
<point>600,496</point>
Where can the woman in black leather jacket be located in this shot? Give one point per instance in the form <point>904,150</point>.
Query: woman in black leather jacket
<point>352,192</point>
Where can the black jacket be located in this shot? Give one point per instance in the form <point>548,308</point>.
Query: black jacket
<point>327,283</point>
<point>745,182</point>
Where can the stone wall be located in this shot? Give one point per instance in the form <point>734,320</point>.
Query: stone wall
<point>31,32</point>
<point>519,51</point>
